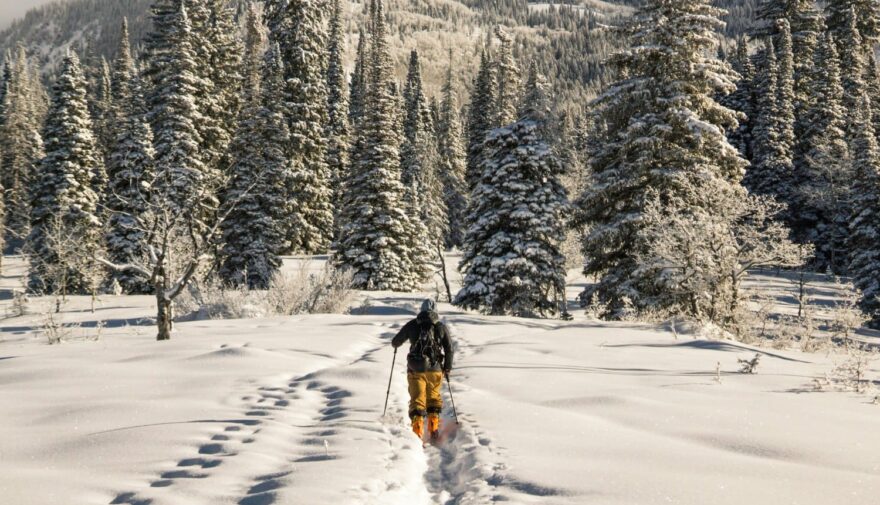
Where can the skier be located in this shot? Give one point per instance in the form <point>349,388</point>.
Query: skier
<point>428,361</point>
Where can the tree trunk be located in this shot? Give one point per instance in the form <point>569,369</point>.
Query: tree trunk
<point>165,319</point>
<point>443,272</point>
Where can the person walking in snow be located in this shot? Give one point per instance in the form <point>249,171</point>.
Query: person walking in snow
<point>428,361</point>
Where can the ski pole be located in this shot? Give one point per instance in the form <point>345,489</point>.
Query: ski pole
<point>451,399</point>
<point>389,382</point>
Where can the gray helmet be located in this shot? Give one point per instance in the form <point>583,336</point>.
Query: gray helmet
<point>429,306</point>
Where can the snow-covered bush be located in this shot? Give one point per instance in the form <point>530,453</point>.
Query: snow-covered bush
<point>288,293</point>
<point>329,292</point>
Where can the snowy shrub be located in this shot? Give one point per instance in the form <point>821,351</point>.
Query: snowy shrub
<point>749,366</point>
<point>329,292</point>
<point>19,306</point>
<point>853,374</point>
<point>288,293</point>
<point>846,316</point>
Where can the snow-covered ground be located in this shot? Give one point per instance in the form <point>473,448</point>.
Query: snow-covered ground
<point>288,411</point>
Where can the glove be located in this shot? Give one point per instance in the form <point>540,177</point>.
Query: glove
<point>446,372</point>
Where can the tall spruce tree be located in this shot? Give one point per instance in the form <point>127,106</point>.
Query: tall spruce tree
<point>866,14</point>
<point>772,168</point>
<point>297,26</point>
<point>180,172</point>
<point>373,236</point>
<point>825,188</point>
<point>854,61</point>
<point>217,53</point>
<point>358,82</point>
<point>66,232</point>
<point>337,131</point>
<point>742,99</point>
<point>130,171</point>
<point>865,218</point>
<point>22,146</point>
<point>481,117</point>
<point>452,163</point>
<point>253,232</point>
<point>418,161</point>
<point>512,254</point>
<point>509,81</point>
<point>663,114</point>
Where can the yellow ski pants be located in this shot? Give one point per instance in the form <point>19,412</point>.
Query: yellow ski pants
<point>424,393</point>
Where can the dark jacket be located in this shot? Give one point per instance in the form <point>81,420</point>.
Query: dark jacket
<point>412,330</point>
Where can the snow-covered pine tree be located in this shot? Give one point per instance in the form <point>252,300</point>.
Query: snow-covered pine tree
<point>297,26</point>
<point>872,83</point>
<point>452,164</point>
<point>66,232</point>
<point>22,146</point>
<point>825,188</point>
<point>512,260</point>
<point>254,51</point>
<point>418,161</point>
<point>358,82</point>
<point>742,100</point>
<point>854,61</point>
<point>866,14</point>
<point>773,135</point>
<point>865,219</point>
<point>253,234</point>
<point>509,81</point>
<point>217,53</point>
<point>662,140</point>
<point>337,103</point>
<point>535,101</point>
<point>481,117</point>
<point>372,238</point>
<point>122,69</point>
<point>180,173</point>
<point>130,171</point>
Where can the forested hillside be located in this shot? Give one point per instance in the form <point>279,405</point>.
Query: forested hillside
<point>568,41</point>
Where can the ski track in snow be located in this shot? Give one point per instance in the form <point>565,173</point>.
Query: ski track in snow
<point>468,469</point>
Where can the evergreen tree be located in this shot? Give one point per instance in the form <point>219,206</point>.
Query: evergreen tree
<point>357,88</point>
<point>22,146</point>
<point>825,186</point>
<point>773,136</point>
<point>872,86</point>
<point>297,26</point>
<point>742,100</point>
<point>452,163</point>
<point>865,219</point>
<point>123,69</point>
<point>254,48</point>
<point>253,234</point>
<point>865,13</point>
<point>509,81</point>
<point>418,160</point>
<point>131,172</point>
<point>373,236</point>
<point>512,258</point>
<point>662,113</point>
<point>337,102</point>
<point>66,231</point>
<point>481,117</point>
<point>217,53</point>
<point>180,173</point>
<point>853,60</point>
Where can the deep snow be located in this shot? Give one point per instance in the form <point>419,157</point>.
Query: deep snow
<point>288,410</point>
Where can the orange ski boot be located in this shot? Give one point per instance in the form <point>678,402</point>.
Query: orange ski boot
<point>434,427</point>
<point>418,426</point>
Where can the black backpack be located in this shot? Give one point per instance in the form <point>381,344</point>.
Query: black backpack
<point>427,346</point>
